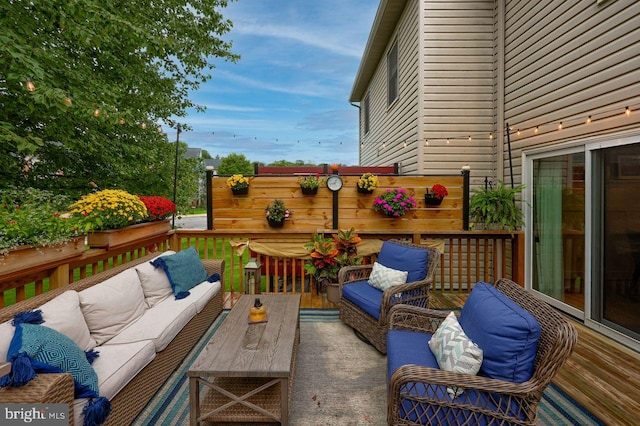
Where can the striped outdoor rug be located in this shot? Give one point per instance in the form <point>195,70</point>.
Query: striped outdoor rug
<point>325,394</point>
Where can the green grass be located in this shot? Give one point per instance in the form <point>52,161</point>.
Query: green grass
<point>197,210</point>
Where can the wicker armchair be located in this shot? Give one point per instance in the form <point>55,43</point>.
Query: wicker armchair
<point>417,392</point>
<point>415,293</point>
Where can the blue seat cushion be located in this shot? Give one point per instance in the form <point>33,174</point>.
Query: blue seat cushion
<point>364,296</point>
<point>410,347</point>
<point>404,258</point>
<point>507,334</point>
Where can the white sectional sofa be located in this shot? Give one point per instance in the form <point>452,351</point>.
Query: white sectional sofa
<point>129,314</point>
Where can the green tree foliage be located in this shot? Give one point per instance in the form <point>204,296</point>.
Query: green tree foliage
<point>287,163</point>
<point>134,60</point>
<point>235,164</point>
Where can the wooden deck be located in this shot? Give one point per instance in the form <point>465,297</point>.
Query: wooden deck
<point>601,374</point>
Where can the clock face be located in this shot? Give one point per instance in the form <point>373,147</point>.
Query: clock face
<point>334,183</point>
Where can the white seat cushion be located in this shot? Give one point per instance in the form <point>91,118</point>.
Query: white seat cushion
<point>116,366</point>
<point>63,314</point>
<point>202,293</point>
<point>159,324</point>
<point>112,305</point>
<point>6,336</point>
<point>154,281</point>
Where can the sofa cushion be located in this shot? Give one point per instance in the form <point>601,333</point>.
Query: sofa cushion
<point>203,293</point>
<point>154,281</point>
<point>159,324</point>
<point>112,305</point>
<point>184,270</point>
<point>364,296</point>
<point>63,314</point>
<point>405,258</point>
<point>383,278</point>
<point>507,333</point>
<point>118,364</point>
<point>6,334</point>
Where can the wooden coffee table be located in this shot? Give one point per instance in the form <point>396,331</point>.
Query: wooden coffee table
<point>247,369</point>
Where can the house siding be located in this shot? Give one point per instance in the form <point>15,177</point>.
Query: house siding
<point>393,125</point>
<point>564,62</point>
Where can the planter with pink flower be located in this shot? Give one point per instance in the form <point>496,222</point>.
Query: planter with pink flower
<point>394,202</point>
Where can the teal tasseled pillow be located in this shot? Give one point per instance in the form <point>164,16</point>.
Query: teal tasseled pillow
<point>184,270</point>
<point>39,349</point>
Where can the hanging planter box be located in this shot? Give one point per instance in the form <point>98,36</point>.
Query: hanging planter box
<point>364,190</point>
<point>309,191</point>
<point>30,257</point>
<point>117,237</point>
<point>432,200</point>
<point>275,223</point>
<point>240,191</point>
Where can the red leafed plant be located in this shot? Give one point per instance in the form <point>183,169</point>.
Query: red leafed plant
<point>159,208</point>
<point>440,191</point>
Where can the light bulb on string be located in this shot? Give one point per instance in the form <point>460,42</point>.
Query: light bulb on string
<point>490,136</point>
<point>536,130</point>
<point>588,120</point>
<point>627,111</point>
<point>469,138</point>
<point>384,145</point>
<point>67,100</point>
<point>518,133</point>
<point>159,129</point>
<point>447,140</point>
<point>144,126</point>
<point>560,126</point>
<point>30,86</point>
<point>404,144</point>
<point>122,121</point>
<point>96,112</point>
<point>426,142</point>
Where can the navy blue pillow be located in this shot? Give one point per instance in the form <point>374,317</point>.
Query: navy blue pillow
<point>184,270</point>
<point>507,334</point>
<point>405,258</point>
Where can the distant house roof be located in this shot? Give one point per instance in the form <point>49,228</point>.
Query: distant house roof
<point>193,153</point>
<point>384,24</point>
<point>214,162</point>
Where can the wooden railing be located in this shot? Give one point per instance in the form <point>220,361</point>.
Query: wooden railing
<point>468,257</point>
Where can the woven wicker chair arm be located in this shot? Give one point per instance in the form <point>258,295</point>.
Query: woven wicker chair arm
<point>414,318</point>
<point>354,273</point>
<point>52,388</point>
<point>214,266</point>
<point>414,293</point>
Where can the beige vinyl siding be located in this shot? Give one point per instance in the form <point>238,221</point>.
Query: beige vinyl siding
<point>458,86</point>
<point>392,125</point>
<point>565,61</point>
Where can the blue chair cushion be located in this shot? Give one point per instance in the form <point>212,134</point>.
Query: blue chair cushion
<point>409,347</point>
<point>364,296</point>
<point>507,333</point>
<point>404,258</point>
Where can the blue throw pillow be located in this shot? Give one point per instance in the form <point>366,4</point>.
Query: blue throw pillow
<point>37,349</point>
<point>405,258</point>
<point>507,334</point>
<point>184,270</point>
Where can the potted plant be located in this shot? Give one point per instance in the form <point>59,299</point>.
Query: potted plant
<point>437,194</point>
<point>276,213</point>
<point>496,207</point>
<point>367,183</point>
<point>35,229</point>
<point>239,184</point>
<point>328,255</point>
<point>113,217</point>
<point>309,184</point>
<point>394,202</point>
<point>158,208</point>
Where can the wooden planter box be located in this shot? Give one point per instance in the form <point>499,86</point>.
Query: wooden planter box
<point>30,257</point>
<point>111,238</point>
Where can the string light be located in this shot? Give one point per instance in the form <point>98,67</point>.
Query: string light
<point>627,111</point>
<point>447,140</point>
<point>490,136</point>
<point>469,138</point>
<point>588,120</point>
<point>159,129</point>
<point>404,144</point>
<point>30,86</point>
<point>144,126</point>
<point>518,132</point>
<point>536,130</point>
<point>96,112</point>
<point>67,100</point>
<point>560,126</point>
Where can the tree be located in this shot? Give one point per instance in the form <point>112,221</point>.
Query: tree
<point>235,164</point>
<point>104,74</point>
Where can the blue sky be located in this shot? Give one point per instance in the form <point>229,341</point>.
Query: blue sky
<point>287,96</point>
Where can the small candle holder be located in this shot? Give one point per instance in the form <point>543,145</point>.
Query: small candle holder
<point>258,312</point>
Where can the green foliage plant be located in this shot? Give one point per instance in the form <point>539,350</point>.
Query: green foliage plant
<point>330,253</point>
<point>277,211</point>
<point>496,207</point>
<point>311,181</point>
<point>34,217</point>
<point>235,164</point>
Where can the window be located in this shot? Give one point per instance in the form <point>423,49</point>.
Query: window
<point>366,114</point>
<point>392,73</point>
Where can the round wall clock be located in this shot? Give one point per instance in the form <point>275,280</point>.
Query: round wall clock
<point>334,183</point>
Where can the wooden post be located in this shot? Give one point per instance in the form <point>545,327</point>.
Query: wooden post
<point>517,257</point>
<point>59,277</point>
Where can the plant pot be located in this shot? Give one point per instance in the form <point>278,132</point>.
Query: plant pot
<point>309,191</point>
<point>30,257</point>
<point>275,223</point>
<point>432,200</point>
<point>364,190</point>
<point>333,292</point>
<point>110,238</point>
<point>240,191</point>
